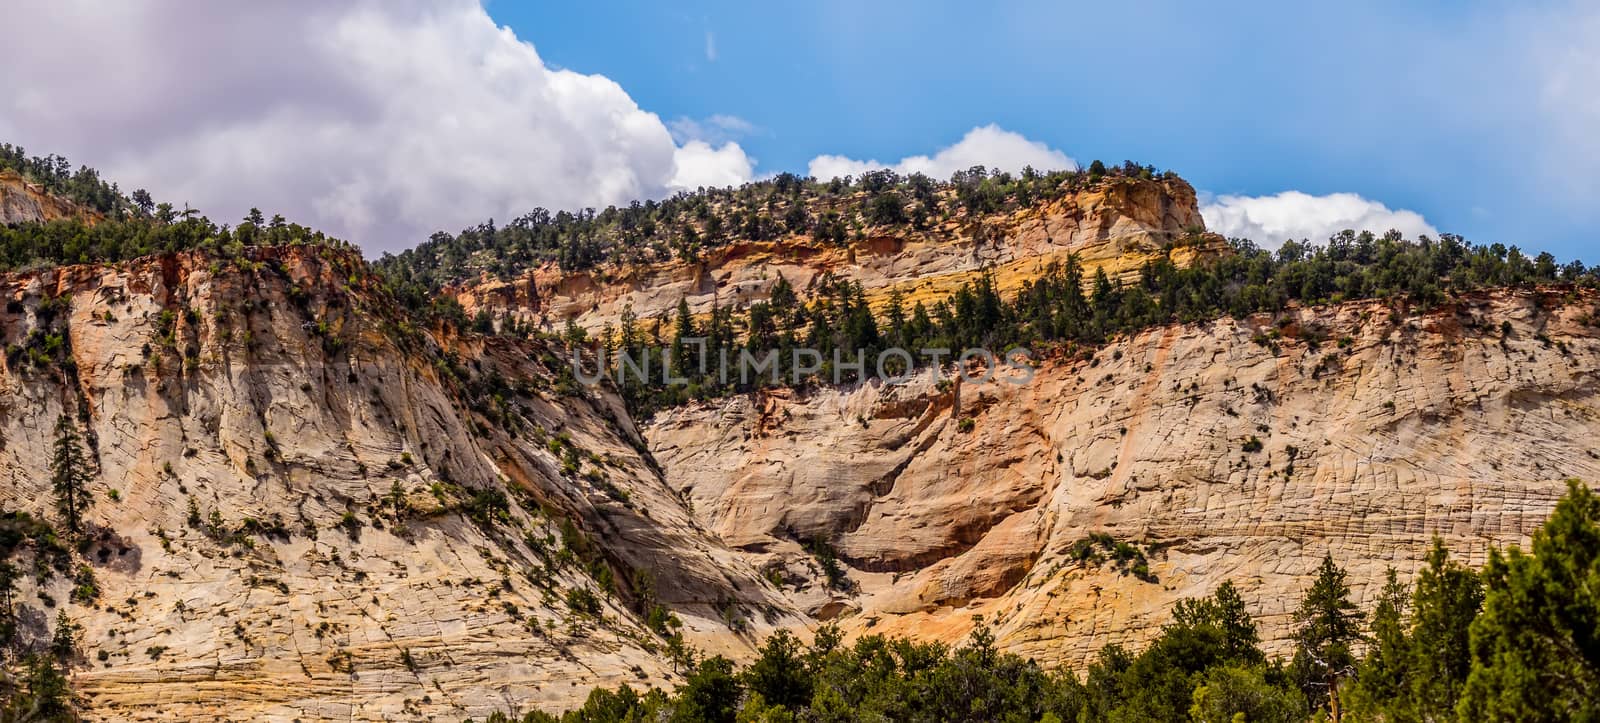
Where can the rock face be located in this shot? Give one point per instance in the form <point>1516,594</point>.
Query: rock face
<point>1118,225</point>
<point>1073,510</point>
<point>1234,450</point>
<point>306,508</point>
<point>22,202</point>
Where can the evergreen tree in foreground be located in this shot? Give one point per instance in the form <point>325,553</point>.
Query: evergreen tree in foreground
<point>8,613</point>
<point>44,694</point>
<point>1536,647</point>
<point>1380,685</point>
<point>1419,657</point>
<point>1447,599</point>
<point>1328,625</point>
<point>70,475</point>
<point>1532,654</point>
<point>40,690</point>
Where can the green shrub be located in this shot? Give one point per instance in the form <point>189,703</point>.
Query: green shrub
<point>581,599</point>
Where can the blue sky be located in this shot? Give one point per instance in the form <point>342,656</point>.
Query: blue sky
<point>383,121</point>
<point>1428,106</point>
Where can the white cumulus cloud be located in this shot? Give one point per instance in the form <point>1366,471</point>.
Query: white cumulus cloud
<point>377,121</point>
<point>990,146</point>
<point>1271,220</point>
<point>699,164</point>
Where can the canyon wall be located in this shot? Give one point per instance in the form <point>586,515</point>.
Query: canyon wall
<point>305,507</point>
<point>1118,224</point>
<point>307,504</point>
<point>21,202</point>
<point>1232,450</point>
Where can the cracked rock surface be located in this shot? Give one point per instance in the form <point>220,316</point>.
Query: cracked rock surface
<point>1117,225</point>
<point>305,508</point>
<point>1376,432</point>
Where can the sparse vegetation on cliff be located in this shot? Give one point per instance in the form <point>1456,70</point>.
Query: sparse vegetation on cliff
<point>1062,308</point>
<point>500,422</point>
<point>73,241</point>
<point>1099,548</point>
<point>128,227</point>
<point>69,476</point>
<point>83,187</point>
<point>686,225</point>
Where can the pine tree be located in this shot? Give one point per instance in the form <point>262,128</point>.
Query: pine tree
<point>64,641</point>
<point>895,314</point>
<point>1380,684</point>
<point>1072,305</point>
<point>1237,625</point>
<point>920,329</point>
<point>1240,693</point>
<point>1448,598</point>
<point>1225,612</point>
<point>8,613</point>
<point>1205,634</point>
<point>1107,301</point>
<point>780,675</point>
<point>682,330</point>
<point>860,328</point>
<point>1536,646</point>
<point>70,475</point>
<point>575,335</point>
<point>1327,625</point>
<point>783,299</point>
<point>710,693</point>
<point>47,695</point>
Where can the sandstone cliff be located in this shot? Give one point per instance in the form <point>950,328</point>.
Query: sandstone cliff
<point>306,508</point>
<point>1232,450</point>
<point>1072,511</point>
<point>21,201</point>
<point>1118,224</point>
